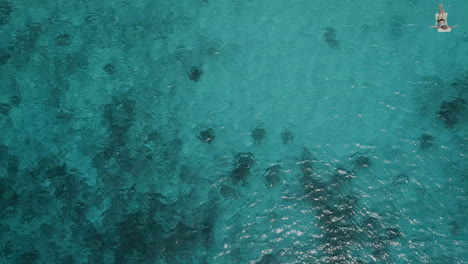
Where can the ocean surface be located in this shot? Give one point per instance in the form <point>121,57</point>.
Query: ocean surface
<point>233,131</point>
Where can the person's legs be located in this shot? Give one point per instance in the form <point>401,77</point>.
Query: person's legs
<point>441,9</point>
<point>441,12</point>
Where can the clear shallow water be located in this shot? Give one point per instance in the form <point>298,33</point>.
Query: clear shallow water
<point>101,106</point>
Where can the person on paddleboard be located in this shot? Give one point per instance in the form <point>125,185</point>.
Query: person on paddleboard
<point>441,20</point>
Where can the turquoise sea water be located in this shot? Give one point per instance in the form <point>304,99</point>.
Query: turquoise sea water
<point>232,132</point>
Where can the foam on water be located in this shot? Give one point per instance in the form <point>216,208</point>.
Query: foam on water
<point>232,132</point>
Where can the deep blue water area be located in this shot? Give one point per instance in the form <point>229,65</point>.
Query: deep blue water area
<point>233,131</point>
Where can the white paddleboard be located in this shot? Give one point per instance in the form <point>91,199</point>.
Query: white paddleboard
<point>446,22</point>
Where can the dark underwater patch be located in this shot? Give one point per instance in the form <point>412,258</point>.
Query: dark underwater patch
<point>268,259</point>
<point>115,159</point>
<point>141,236</point>
<point>30,257</point>
<point>120,115</point>
<point>25,41</point>
<point>330,38</point>
<point>64,183</point>
<point>450,112</point>
<point>9,166</point>
<point>153,137</point>
<point>315,190</point>
<point>379,237</point>
<point>4,57</point>
<point>5,109</point>
<point>75,61</point>
<point>460,84</point>
<point>185,239</point>
<point>67,186</point>
<point>362,162</point>
<point>392,233</point>
<point>109,68</point>
<point>195,73</point>
<point>338,234</point>
<point>338,212</point>
<point>15,100</point>
<point>5,12</point>
<point>258,134</point>
<point>3,156</point>
<point>341,177</point>
<point>135,235</point>
<point>287,136</point>
<point>457,228</point>
<point>228,192</point>
<point>8,248</point>
<point>240,172</point>
<point>306,162</point>
<point>244,161</point>
<point>272,175</point>
<point>397,26</point>
<point>426,141</point>
<point>399,179</point>
<point>207,136</point>
<point>63,40</point>
<point>414,3</point>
